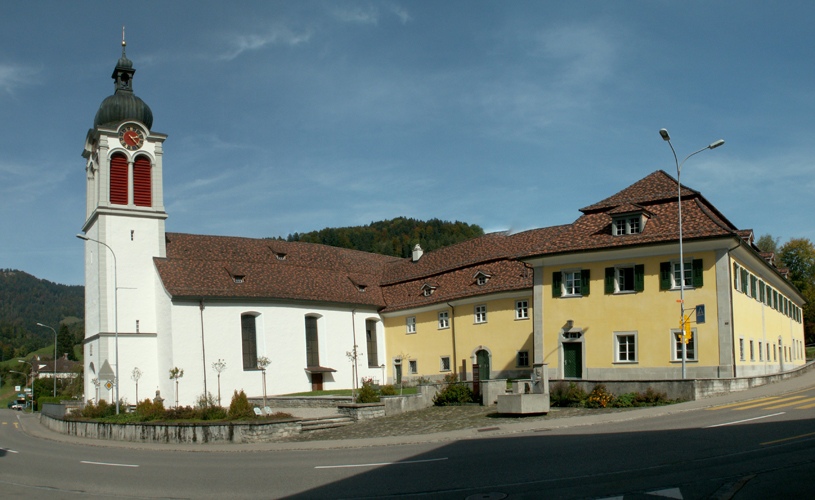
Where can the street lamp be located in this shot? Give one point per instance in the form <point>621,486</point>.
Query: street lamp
<point>55,356</point>
<point>666,137</point>
<point>115,311</point>
<point>31,373</point>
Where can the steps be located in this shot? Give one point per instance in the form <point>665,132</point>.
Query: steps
<point>319,423</point>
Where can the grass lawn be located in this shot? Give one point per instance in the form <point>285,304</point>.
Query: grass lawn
<point>810,352</point>
<point>342,392</point>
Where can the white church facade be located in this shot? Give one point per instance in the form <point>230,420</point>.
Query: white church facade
<point>183,301</point>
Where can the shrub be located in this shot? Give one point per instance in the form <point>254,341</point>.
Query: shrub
<point>100,410</point>
<point>453,394</point>
<point>563,395</point>
<point>599,397</point>
<point>388,390</point>
<point>626,400</point>
<point>240,408</point>
<point>148,410</point>
<point>450,378</point>
<point>206,408</point>
<point>651,397</point>
<point>180,413</point>
<point>367,394</point>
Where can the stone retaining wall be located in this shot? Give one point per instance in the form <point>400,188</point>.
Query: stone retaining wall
<point>171,432</point>
<point>301,401</point>
<point>362,411</point>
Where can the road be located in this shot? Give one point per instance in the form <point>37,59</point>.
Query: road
<point>761,448</point>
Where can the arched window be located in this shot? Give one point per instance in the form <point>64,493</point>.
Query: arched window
<point>312,345</point>
<point>142,192</point>
<point>118,179</point>
<point>249,341</point>
<point>370,338</point>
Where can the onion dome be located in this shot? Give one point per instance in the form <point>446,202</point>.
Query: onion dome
<point>123,105</point>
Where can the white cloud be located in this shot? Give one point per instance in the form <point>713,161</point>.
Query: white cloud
<point>401,13</point>
<point>13,77</point>
<point>277,35</point>
<point>358,14</point>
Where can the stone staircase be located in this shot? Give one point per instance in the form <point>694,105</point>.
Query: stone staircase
<point>319,423</point>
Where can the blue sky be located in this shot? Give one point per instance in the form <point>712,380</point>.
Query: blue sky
<point>296,116</point>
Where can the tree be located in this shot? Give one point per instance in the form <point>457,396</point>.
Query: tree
<point>798,254</point>
<point>65,342</point>
<point>175,374</point>
<point>766,243</point>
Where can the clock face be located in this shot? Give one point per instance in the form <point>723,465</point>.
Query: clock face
<point>131,137</point>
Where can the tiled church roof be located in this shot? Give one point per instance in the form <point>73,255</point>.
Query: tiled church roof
<point>209,266</point>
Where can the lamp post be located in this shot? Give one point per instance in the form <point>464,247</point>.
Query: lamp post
<point>55,356</point>
<point>115,312</point>
<point>23,374</point>
<point>666,137</point>
<point>31,373</point>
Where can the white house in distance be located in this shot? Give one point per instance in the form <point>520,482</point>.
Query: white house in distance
<point>187,301</point>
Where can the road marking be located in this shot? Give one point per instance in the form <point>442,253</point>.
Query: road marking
<point>769,403</point>
<point>669,493</point>
<point>103,463</point>
<point>745,420</point>
<point>10,451</point>
<point>788,439</point>
<point>789,404</point>
<point>382,463</point>
<point>731,405</point>
<point>806,407</point>
<point>15,425</point>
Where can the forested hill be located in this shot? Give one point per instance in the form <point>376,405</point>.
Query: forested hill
<point>395,237</point>
<point>25,301</point>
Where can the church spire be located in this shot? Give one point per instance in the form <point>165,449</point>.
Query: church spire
<point>123,72</point>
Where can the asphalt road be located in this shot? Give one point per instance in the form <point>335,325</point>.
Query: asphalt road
<point>744,450</point>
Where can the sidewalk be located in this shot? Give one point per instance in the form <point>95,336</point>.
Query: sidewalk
<point>439,424</point>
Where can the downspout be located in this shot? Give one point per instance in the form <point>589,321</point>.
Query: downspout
<point>453,332</point>
<point>203,348</point>
<point>356,367</point>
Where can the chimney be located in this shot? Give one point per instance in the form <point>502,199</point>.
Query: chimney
<point>417,253</point>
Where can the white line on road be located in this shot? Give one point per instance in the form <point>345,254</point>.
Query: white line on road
<point>375,465</point>
<point>10,451</point>
<point>745,420</point>
<point>103,463</point>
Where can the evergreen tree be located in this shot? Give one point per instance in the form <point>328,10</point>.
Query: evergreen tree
<point>65,343</point>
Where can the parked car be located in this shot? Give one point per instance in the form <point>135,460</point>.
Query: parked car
<point>17,406</point>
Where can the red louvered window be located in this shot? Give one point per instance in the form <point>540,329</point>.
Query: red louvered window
<point>118,180</point>
<point>141,182</point>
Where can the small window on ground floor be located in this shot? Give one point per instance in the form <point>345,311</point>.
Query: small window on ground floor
<point>523,359</point>
<point>413,367</point>
<point>690,347</point>
<point>626,347</point>
<point>445,364</point>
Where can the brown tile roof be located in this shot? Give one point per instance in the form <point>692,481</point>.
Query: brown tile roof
<point>64,365</point>
<point>654,187</point>
<point>197,266</point>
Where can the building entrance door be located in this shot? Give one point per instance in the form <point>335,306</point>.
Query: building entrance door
<point>483,359</point>
<point>573,359</point>
<point>316,381</point>
<point>397,371</point>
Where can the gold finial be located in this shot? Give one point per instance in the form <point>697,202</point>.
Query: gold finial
<point>123,37</point>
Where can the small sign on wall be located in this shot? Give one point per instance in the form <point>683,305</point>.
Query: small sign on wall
<point>700,314</point>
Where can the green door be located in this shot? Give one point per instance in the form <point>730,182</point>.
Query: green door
<point>573,360</point>
<point>483,359</point>
<point>398,371</point>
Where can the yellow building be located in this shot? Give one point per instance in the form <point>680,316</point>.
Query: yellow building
<point>599,298</point>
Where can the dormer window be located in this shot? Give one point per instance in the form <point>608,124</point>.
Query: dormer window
<point>280,256</point>
<point>428,289</point>
<point>237,275</point>
<point>238,278</point>
<point>361,288</point>
<point>481,278</point>
<point>627,225</point>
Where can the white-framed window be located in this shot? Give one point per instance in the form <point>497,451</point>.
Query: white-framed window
<point>627,225</point>
<point>444,363</point>
<point>410,324</point>
<point>481,314</point>
<point>481,279</point>
<point>521,309</point>
<point>768,351</point>
<point>571,282</point>
<point>413,367</point>
<point>741,349</point>
<point>752,351</point>
<point>624,278</point>
<point>522,359</point>
<point>677,272</point>
<point>760,351</point>
<point>444,319</point>
<point>625,347</point>
<point>775,354</point>
<point>676,346</point>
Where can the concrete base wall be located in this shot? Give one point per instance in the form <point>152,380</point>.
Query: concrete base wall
<point>491,389</point>
<point>197,433</point>
<point>362,411</point>
<point>523,404</point>
<point>299,402</point>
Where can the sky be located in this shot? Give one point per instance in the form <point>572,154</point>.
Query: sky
<point>289,117</point>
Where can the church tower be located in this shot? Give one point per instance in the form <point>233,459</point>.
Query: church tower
<point>124,231</point>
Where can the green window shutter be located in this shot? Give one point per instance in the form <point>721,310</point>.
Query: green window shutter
<point>639,277</point>
<point>557,282</point>
<point>761,291</point>
<point>585,279</point>
<point>735,276</point>
<point>744,279</point>
<point>753,286</point>
<point>609,280</point>
<point>698,279</point>
<point>664,275</point>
